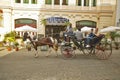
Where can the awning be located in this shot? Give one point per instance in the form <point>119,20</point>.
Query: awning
<point>26,28</point>
<point>56,21</point>
<point>86,29</point>
<point>110,29</point>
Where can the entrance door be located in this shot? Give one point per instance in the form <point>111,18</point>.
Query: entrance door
<point>54,31</point>
<point>54,25</point>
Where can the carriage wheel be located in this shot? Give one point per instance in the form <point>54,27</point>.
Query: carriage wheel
<point>67,52</point>
<point>103,50</point>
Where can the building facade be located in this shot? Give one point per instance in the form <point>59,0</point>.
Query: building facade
<point>50,16</point>
<point>118,14</point>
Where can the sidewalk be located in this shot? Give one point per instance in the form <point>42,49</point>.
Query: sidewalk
<point>4,51</point>
<point>2,48</point>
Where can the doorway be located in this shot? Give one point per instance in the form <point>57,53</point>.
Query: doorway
<point>54,30</point>
<point>54,26</point>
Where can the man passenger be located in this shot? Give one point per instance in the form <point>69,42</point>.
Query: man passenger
<point>79,35</point>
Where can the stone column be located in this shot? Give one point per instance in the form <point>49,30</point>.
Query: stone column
<point>21,1</point>
<point>90,3</point>
<point>30,2</point>
<point>53,3</point>
<point>41,27</point>
<point>82,3</point>
<point>61,1</point>
<point>73,22</point>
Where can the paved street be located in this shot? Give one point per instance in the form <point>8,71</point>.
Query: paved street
<point>22,65</point>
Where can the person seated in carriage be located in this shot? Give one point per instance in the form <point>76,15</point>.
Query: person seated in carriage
<point>79,35</point>
<point>89,38</point>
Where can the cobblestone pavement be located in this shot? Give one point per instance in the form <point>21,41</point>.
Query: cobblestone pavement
<point>22,65</point>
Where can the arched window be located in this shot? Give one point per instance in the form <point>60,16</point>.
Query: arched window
<point>17,1</point>
<point>65,2</point>
<point>25,21</point>
<point>25,1</point>
<point>82,23</point>
<point>48,1</point>
<point>93,2</point>
<point>79,2</point>
<point>34,1</point>
<point>86,2</point>
<point>57,2</point>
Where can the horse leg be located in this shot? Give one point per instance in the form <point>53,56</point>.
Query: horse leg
<point>49,51</point>
<point>55,48</point>
<point>56,53</point>
<point>36,53</point>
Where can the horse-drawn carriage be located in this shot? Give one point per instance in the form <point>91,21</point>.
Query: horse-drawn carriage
<point>99,47</point>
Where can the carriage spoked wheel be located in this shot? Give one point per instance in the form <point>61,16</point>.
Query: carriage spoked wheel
<point>103,50</point>
<point>67,52</point>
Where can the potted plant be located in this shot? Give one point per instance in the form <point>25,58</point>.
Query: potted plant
<point>9,38</point>
<point>114,35</point>
<point>9,48</point>
<point>8,45</point>
<point>16,46</point>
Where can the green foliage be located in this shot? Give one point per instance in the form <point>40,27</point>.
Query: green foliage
<point>11,39</point>
<point>114,35</point>
<point>16,44</point>
<point>10,36</point>
<point>67,23</point>
<point>44,22</point>
<point>74,28</point>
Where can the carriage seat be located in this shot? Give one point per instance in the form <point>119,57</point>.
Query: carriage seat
<point>96,39</point>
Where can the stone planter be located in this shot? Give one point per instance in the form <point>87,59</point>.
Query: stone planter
<point>16,49</point>
<point>9,48</point>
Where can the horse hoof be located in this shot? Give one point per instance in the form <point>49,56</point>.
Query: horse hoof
<point>36,56</point>
<point>46,55</point>
<point>56,55</point>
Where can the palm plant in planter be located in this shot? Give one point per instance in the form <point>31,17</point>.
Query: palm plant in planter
<point>43,21</point>
<point>9,38</point>
<point>9,48</point>
<point>9,41</point>
<point>114,35</point>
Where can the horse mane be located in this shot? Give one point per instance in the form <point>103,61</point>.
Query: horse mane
<point>31,41</point>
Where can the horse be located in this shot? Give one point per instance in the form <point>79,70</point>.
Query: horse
<point>50,41</point>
